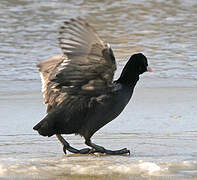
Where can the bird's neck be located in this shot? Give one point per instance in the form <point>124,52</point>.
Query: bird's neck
<point>129,76</point>
<point>128,80</point>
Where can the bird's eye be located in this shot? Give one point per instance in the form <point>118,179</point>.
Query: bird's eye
<point>142,69</point>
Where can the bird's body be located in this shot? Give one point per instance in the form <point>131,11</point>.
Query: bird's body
<point>86,114</point>
<point>106,108</point>
<point>79,88</point>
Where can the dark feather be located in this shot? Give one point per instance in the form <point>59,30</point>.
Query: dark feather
<point>75,82</point>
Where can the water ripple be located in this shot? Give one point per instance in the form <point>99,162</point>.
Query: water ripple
<point>165,32</point>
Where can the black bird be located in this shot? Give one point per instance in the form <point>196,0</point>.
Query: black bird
<point>79,88</point>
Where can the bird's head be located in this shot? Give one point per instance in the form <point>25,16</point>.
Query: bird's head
<point>136,65</point>
<point>139,61</point>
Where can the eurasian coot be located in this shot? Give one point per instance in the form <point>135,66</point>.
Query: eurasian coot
<point>79,88</point>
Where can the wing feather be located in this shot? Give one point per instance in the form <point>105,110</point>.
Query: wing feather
<point>85,70</point>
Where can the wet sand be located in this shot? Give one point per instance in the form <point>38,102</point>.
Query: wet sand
<point>158,126</point>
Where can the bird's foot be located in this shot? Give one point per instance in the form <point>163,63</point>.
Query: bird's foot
<point>67,147</point>
<point>101,149</point>
<point>77,151</point>
<point>94,148</point>
<point>117,152</point>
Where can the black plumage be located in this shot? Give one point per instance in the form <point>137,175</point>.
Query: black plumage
<point>79,88</point>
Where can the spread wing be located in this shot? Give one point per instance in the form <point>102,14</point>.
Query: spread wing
<point>85,69</point>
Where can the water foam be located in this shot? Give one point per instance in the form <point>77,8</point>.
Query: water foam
<point>64,166</point>
<point>150,167</point>
<point>2,170</point>
<point>85,166</point>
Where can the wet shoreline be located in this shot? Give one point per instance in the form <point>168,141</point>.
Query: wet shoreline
<point>155,126</point>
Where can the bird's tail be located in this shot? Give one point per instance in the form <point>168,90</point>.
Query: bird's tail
<point>45,127</point>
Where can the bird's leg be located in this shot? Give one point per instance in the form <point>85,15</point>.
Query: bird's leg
<point>101,149</point>
<point>66,146</point>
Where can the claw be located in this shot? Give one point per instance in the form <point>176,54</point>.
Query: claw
<point>126,151</point>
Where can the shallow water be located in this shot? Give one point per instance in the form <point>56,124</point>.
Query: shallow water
<point>159,124</point>
<point>165,31</point>
<point>160,132</point>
